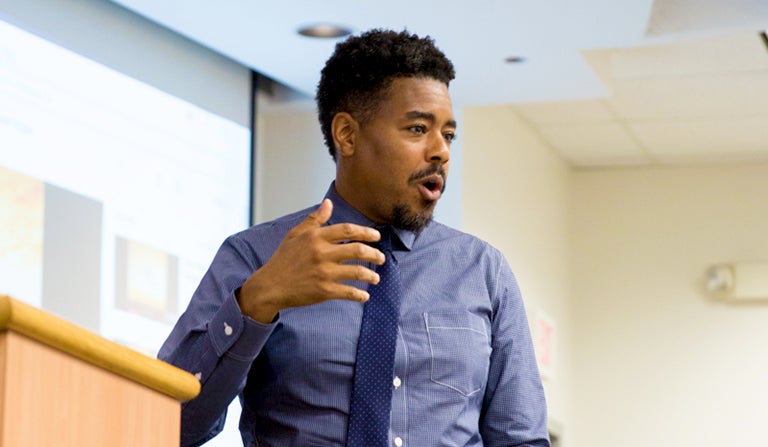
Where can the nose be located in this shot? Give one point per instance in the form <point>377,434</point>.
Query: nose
<point>439,150</point>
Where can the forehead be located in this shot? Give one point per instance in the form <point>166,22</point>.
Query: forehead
<point>406,95</point>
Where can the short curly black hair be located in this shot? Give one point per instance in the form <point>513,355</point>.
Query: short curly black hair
<point>362,67</point>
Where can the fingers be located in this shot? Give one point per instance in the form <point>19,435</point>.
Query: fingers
<point>313,230</point>
<point>323,212</point>
<point>351,293</point>
<point>351,272</point>
<point>350,232</point>
<point>355,251</point>
<point>314,259</point>
<point>334,233</point>
<point>316,218</point>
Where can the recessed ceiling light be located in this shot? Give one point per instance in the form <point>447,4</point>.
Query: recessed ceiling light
<point>514,59</point>
<point>324,30</point>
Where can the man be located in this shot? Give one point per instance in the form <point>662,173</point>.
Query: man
<point>278,316</point>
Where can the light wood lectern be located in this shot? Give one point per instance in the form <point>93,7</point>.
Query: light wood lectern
<point>61,385</point>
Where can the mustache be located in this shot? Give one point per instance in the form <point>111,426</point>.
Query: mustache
<point>424,173</point>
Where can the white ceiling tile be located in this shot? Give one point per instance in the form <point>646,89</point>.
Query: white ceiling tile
<point>705,139</point>
<point>675,16</point>
<point>735,53</point>
<point>561,112</point>
<point>740,94</point>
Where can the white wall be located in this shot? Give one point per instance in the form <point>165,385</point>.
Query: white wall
<point>516,196</point>
<point>656,361</point>
<point>294,168</point>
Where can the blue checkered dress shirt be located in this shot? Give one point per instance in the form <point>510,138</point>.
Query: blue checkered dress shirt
<point>464,375</point>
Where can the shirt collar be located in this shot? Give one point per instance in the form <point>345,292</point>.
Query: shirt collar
<point>344,212</point>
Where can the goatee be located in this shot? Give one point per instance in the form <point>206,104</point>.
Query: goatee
<point>405,219</point>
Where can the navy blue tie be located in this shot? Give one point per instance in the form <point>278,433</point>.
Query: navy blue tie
<point>372,391</point>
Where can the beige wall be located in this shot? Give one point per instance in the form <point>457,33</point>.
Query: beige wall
<point>516,196</point>
<point>616,257</point>
<point>656,362</point>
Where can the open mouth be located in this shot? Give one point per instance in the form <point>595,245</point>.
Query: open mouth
<point>431,188</point>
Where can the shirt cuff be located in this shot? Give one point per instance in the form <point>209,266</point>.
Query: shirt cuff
<point>236,335</point>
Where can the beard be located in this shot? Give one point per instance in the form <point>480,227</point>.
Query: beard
<point>407,219</point>
<point>416,220</point>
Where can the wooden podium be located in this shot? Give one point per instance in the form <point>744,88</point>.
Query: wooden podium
<point>61,385</point>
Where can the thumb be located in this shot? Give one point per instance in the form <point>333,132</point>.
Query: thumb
<point>318,217</point>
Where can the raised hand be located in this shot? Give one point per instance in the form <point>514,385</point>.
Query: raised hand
<point>309,266</point>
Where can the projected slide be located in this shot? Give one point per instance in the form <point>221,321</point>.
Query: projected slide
<point>21,234</point>
<point>114,195</point>
<point>146,280</point>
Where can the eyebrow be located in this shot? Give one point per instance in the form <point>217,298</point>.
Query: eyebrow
<point>416,114</point>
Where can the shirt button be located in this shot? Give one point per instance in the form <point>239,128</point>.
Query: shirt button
<point>228,329</point>
<point>397,382</point>
<point>398,442</point>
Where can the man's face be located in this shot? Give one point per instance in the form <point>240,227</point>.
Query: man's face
<point>400,162</point>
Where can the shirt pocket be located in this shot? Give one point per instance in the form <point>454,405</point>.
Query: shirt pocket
<point>460,350</point>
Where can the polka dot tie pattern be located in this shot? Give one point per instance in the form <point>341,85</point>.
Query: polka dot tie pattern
<point>372,390</point>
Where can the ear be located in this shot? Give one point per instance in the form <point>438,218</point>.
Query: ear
<point>344,129</point>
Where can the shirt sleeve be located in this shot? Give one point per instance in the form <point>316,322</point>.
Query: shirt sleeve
<point>215,342</point>
<point>514,408</point>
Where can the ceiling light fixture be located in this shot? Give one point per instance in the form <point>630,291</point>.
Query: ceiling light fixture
<point>324,31</point>
<point>514,60</point>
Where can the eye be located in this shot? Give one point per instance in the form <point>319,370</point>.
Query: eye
<point>449,136</point>
<point>419,129</point>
